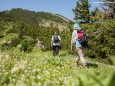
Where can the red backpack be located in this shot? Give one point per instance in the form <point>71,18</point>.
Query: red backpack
<point>82,37</point>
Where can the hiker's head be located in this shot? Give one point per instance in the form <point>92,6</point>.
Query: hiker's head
<point>76,26</point>
<point>55,33</point>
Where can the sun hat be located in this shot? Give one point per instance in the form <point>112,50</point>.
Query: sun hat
<point>76,26</point>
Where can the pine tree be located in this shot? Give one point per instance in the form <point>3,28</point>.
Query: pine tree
<point>108,3</point>
<point>111,7</point>
<point>97,15</point>
<point>81,11</point>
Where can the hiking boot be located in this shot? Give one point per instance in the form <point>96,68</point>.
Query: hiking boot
<point>76,64</point>
<point>54,53</point>
<point>86,67</point>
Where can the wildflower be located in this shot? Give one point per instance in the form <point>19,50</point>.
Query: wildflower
<point>0,74</point>
<point>18,67</point>
<point>33,77</point>
<point>9,42</point>
<point>47,72</point>
<point>15,69</point>
<point>39,77</point>
<point>1,56</point>
<point>4,41</point>
<point>26,71</point>
<point>6,73</point>
<point>36,70</point>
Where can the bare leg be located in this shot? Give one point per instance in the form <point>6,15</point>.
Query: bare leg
<point>81,55</point>
<point>77,60</point>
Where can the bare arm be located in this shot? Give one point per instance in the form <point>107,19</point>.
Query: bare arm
<point>51,41</point>
<point>71,45</point>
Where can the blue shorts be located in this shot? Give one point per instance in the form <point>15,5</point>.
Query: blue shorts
<point>78,44</point>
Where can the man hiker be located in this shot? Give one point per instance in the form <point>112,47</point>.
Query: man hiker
<point>79,46</point>
<point>55,43</point>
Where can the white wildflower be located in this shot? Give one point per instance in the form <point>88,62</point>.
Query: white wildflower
<point>33,84</point>
<point>4,41</point>
<point>9,42</point>
<point>6,73</point>
<point>54,70</point>
<point>20,83</point>
<point>26,71</point>
<point>15,69</point>
<point>0,74</point>
<point>1,55</point>
<point>39,84</point>
<point>20,66</point>
<point>39,77</point>
<point>47,72</point>
<point>36,70</point>
<point>33,77</point>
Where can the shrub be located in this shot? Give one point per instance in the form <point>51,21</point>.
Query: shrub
<point>101,42</point>
<point>25,46</point>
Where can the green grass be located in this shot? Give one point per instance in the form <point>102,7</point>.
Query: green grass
<point>42,69</point>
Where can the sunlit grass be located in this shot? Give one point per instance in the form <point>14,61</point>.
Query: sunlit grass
<point>42,69</point>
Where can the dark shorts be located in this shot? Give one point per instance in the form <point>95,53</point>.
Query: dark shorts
<point>56,48</point>
<point>84,45</point>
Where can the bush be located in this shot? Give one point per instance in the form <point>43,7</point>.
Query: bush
<point>25,46</point>
<point>101,42</point>
<point>1,35</point>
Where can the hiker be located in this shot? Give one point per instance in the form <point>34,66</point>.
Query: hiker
<point>79,46</point>
<point>55,43</point>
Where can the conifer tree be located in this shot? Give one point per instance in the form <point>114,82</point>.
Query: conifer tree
<point>110,4</point>
<point>81,11</point>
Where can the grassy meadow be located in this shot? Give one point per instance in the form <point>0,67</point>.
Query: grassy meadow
<point>42,69</point>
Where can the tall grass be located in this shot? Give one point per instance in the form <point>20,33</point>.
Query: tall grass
<point>42,69</point>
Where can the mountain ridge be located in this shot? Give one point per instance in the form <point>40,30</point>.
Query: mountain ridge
<point>44,19</point>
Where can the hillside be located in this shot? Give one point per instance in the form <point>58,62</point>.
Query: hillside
<point>17,25</point>
<point>38,18</point>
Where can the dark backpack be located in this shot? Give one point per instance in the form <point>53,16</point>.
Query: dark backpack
<point>82,37</point>
<point>55,39</point>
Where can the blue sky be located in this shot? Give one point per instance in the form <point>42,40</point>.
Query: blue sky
<point>62,7</point>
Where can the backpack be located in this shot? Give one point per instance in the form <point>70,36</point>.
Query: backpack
<point>55,39</point>
<point>82,37</point>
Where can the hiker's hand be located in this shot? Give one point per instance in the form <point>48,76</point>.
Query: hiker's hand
<point>71,49</point>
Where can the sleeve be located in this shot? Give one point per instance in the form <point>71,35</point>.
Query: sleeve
<point>52,38</point>
<point>59,37</point>
<point>74,35</point>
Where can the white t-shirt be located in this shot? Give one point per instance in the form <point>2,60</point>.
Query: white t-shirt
<point>56,44</point>
<point>74,36</point>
